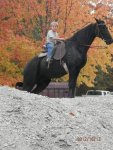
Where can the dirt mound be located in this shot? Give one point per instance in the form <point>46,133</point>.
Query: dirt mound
<point>34,122</point>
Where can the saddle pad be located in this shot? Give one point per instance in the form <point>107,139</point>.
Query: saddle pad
<point>59,51</point>
<point>42,55</point>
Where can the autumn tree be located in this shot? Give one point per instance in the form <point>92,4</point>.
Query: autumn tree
<point>24,24</point>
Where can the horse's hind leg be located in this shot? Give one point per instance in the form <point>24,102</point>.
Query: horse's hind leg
<point>28,87</point>
<point>41,86</point>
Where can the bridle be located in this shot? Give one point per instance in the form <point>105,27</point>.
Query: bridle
<point>98,30</point>
<point>98,33</point>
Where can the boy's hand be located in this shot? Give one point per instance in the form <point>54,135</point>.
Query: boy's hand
<point>60,39</point>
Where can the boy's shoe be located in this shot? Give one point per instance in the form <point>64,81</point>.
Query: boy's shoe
<point>48,60</point>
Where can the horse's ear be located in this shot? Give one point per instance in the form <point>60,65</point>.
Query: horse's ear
<point>97,20</point>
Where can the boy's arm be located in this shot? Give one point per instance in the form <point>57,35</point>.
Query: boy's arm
<point>51,36</point>
<point>58,38</point>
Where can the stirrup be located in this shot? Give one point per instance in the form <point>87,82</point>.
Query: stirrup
<point>49,61</point>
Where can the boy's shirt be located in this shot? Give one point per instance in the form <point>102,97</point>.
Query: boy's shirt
<point>51,35</point>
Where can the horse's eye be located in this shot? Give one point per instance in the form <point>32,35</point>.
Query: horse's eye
<point>103,27</point>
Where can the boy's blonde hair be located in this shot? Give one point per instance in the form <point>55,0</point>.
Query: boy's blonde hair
<point>54,23</point>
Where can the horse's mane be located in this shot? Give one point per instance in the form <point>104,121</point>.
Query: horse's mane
<point>85,29</point>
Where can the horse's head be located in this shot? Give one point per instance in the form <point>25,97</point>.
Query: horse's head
<point>103,32</point>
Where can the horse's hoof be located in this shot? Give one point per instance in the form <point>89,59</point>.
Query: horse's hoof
<point>19,85</point>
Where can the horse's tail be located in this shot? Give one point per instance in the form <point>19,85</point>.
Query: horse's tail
<point>37,75</point>
<point>25,85</point>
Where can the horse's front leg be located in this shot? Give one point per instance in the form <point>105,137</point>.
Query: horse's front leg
<point>73,74</point>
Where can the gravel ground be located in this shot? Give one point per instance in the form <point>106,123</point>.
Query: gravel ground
<point>35,122</point>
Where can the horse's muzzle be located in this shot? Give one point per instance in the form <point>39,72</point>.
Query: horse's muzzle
<point>108,42</point>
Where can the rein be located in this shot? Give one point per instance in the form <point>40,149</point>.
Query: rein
<point>94,46</point>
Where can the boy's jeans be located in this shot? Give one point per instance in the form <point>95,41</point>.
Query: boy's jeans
<point>50,47</point>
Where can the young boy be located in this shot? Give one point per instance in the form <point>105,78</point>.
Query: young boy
<point>52,37</point>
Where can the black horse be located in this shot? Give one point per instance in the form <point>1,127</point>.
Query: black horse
<point>37,75</point>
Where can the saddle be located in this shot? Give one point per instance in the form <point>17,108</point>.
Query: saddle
<point>58,51</point>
